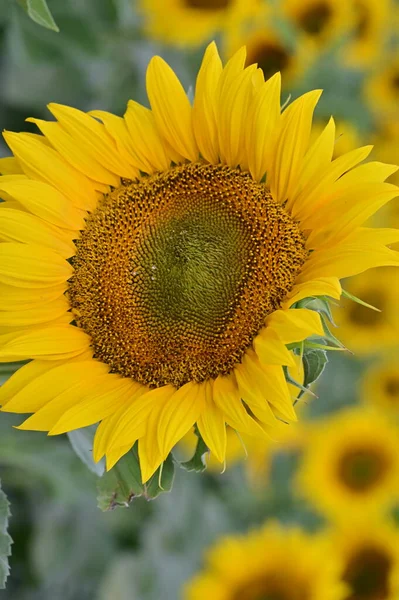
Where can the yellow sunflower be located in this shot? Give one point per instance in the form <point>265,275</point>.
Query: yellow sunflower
<point>321,21</point>
<point>152,273</point>
<point>370,29</point>
<point>351,464</point>
<point>366,331</point>
<point>269,563</point>
<point>193,22</point>
<point>380,385</point>
<point>348,137</point>
<point>382,89</point>
<point>369,550</point>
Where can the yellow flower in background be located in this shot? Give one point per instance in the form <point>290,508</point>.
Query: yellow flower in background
<point>321,21</point>
<point>348,137</point>
<point>152,274</point>
<point>272,562</point>
<point>193,22</point>
<point>382,90</point>
<point>380,385</point>
<point>371,24</point>
<point>366,331</point>
<point>369,550</point>
<point>350,465</point>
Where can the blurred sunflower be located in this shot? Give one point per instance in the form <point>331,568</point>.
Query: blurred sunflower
<point>193,22</point>
<point>382,90</point>
<point>350,465</point>
<point>152,274</point>
<point>321,21</point>
<point>269,563</point>
<point>369,32</point>
<point>366,331</point>
<point>380,386</point>
<point>369,549</point>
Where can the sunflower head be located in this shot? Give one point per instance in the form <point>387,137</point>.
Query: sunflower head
<point>153,266</point>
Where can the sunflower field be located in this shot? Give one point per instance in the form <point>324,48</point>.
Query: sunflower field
<point>199,300</point>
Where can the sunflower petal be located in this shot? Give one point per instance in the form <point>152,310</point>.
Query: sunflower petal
<point>211,425</point>
<point>28,265</point>
<point>51,343</point>
<point>295,325</point>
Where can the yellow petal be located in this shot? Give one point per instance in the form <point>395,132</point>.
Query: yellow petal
<point>270,349</point>
<point>204,110</point>
<point>45,164</point>
<point>296,123</point>
<point>10,166</point>
<point>262,127</point>
<point>37,383</point>
<point>253,395</point>
<point>51,343</point>
<point>211,425</point>
<point>93,138</point>
<point>178,415</point>
<point>226,396</point>
<point>18,226</point>
<point>14,298</point>
<point>102,400</point>
<point>105,430</point>
<point>171,108</point>
<point>28,265</point>
<point>148,465</point>
<point>324,286</point>
<point>295,325</point>
<point>44,201</point>
<point>39,314</point>
<point>150,154</point>
<point>113,456</point>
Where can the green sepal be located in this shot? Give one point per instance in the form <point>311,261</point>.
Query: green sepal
<point>321,304</point>
<point>197,463</point>
<point>5,539</point>
<point>119,486</point>
<point>314,362</point>
<point>359,301</point>
<point>39,12</point>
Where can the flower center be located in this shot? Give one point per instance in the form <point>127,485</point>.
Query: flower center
<point>174,275</point>
<point>391,386</point>
<point>270,58</point>
<point>368,573</point>
<point>362,469</point>
<point>362,20</point>
<point>211,5</point>
<point>272,587</point>
<point>315,18</point>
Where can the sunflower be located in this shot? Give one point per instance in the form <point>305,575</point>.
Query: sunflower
<point>369,32</point>
<point>321,21</point>
<point>382,89</point>
<point>365,331</point>
<point>151,265</point>
<point>351,464</point>
<point>348,137</point>
<point>193,22</point>
<point>369,550</point>
<point>380,386</point>
<point>269,563</point>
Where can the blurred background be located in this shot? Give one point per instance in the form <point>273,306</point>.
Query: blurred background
<point>335,473</point>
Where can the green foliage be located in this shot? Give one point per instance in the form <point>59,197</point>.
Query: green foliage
<point>82,443</point>
<point>5,539</point>
<point>314,362</point>
<point>39,12</point>
<point>120,485</point>
<point>197,462</point>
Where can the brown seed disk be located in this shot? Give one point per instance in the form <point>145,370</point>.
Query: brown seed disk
<point>174,275</point>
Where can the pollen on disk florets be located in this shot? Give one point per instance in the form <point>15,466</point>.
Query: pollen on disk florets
<point>175,274</point>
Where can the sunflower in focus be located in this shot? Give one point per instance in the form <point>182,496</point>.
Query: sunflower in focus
<point>193,22</point>
<point>371,22</point>
<point>369,549</point>
<point>351,464</point>
<point>269,563</point>
<point>151,265</point>
<point>380,386</point>
<point>348,137</point>
<point>366,331</point>
<point>320,21</point>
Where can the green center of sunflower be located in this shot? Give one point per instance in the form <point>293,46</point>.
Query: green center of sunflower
<point>314,18</point>
<point>271,58</point>
<point>174,275</point>
<point>211,5</point>
<point>362,469</point>
<point>368,573</point>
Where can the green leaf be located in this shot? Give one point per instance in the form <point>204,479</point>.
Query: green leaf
<point>82,442</point>
<point>314,362</point>
<point>197,462</point>
<point>319,303</point>
<point>5,539</point>
<point>120,485</point>
<point>39,12</point>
